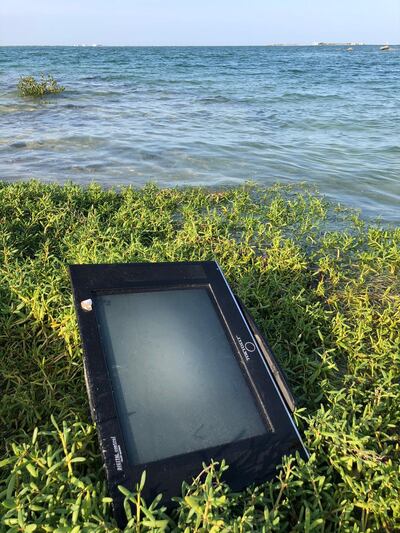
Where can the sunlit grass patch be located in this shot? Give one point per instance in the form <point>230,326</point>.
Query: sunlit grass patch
<point>323,286</point>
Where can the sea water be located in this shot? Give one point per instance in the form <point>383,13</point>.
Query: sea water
<point>214,116</point>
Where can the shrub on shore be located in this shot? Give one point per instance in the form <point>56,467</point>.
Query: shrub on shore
<point>324,287</point>
<point>30,86</point>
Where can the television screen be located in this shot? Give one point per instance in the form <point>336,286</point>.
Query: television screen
<point>177,383</point>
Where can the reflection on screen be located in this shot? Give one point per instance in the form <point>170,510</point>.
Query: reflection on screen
<point>177,385</point>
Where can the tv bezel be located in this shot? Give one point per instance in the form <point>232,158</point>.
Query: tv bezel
<point>250,460</point>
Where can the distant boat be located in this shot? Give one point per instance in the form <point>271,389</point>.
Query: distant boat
<point>384,48</point>
<point>349,49</point>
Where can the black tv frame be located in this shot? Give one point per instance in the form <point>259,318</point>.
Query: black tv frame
<point>250,460</point>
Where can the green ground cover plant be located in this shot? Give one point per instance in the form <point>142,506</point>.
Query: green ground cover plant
<point>30,86</point>
<point>324,287</point>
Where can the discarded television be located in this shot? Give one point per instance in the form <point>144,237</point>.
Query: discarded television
<point>178,374</point>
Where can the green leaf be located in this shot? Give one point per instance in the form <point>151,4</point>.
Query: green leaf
<point>11,486</point>
<point>194,504</point>
<point>142,481</point>
<point>160,524</point>
<point>53,421</point>
<point>34,435</point>
<point>32,470</point>
<point>127,509</point>
<point>6,462</point>
<point>124,491</point>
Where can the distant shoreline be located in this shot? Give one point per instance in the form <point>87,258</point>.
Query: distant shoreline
<point>269,45</point>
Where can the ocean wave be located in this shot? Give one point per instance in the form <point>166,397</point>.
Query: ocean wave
<point>214,100</point>
<point>311,96</point>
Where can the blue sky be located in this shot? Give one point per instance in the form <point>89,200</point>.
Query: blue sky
<point>201,22</point>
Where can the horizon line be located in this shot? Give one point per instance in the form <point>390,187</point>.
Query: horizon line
<point>100,45</point>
